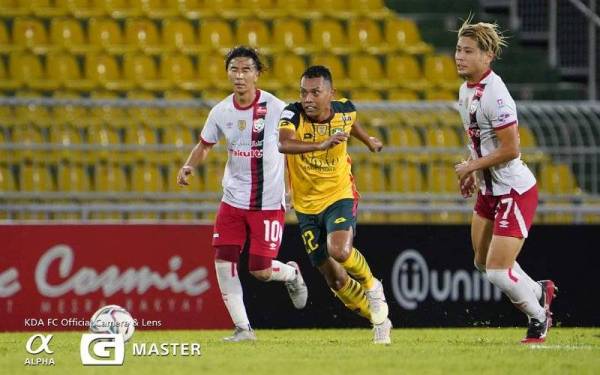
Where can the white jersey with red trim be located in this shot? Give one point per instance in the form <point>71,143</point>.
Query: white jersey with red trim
<point>485,107</point>
<point>253,177</point>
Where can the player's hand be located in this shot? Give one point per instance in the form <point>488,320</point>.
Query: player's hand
<point>462,169</point>
<point>468,185</point>
<point>184,173</point>
<point>375,145</point>
<point>333,141</point>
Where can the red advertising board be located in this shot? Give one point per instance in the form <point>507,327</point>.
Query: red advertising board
<point>53,277</point>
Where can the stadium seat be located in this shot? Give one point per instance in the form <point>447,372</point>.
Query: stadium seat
<point>104,138</point>
<point>196,184</point>
<point>63,68</point>
<point>263,9</point>
<point>439,94</point>
<point>65,135</point>
<point>178,34</point>
<point>558,179</point>
<point>14,8</point>
<point>254,33</point>
<point>148,115</point>
<point>328,35</point>
<point>109,177</point>
<point>404,95</point>
<point>49,8</point>
<point>35,177</point>
<point>368,174</point>
<point>106,33</point>
<point>366,70</point>
<point>366,35</point>
<point>440,71</point>
<point>144,73</point>
<point>301,9</point>
<point>213,172</point>
<point>122,9</point>
<point>341,80</point>
<point>441,178</point>
<point>526,137</point>
<point>443,138</point>
<point>7,82</point>
<point>405,177</point>
<point>67,33</point>
<point>103,68</point>
<point>178,136</point>
<point>374,9</point>
<point>337,9</point>
<point>290,35</point>
<point>30,113</point>
<point>403,34</point>
<point>447,216</point>
<point>268,81</point>
<point>157,9</point>
<point>367,95</point>
<point>405,72</point>
<point>190,116</point>
<point>227,9</point>
<point>143,34</point>
<point>73,177</point>
<point>30,33</point>
<point>211,69</point>
<point>216,35</point>
<point>73,115</point>
<point>84,9</point>
<point>27,68</point>
<point>146,177</point>
<point>191,9</point>
<point>179,70</point>
<point>215,94</point>
<point>6,44</point>
<point>107,114</point>
<point>288,69</point>
<point>7,179</point>
<point>289,94</point>
<point>27,136</point>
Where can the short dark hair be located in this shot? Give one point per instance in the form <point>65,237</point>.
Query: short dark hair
<point>244,51</point>
<point>317,71</point>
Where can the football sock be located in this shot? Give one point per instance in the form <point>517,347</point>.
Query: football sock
<point>537,288</point>
<point>514,285</point>
<point>353,296</point>
<point>356,265</point>
<point>231,291</point>
<point>282,272</point>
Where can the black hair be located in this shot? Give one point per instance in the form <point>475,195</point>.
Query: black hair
<point>317,71</point>
<point>243,51</point>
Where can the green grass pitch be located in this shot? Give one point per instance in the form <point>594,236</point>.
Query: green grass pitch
<point>339,351</point>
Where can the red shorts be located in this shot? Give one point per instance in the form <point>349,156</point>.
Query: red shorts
<point>265,227</point>
<point>511,213</point>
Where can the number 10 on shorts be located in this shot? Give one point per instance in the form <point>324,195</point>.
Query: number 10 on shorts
<point>273,231</point>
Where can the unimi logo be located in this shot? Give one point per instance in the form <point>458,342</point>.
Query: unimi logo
<point>414,282</point>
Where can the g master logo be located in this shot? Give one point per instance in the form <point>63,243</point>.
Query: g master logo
<point>340,220</point>
<point>98,345</point>
<point>413,282</point>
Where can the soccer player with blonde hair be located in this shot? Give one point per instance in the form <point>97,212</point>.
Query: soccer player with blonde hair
<point>507,194</point>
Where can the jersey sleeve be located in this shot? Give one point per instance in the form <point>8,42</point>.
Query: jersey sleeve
<point>210,132</point>
<point>500,109</point>
<point>290,117</point>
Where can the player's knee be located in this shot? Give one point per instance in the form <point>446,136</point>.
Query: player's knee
<point>480,267</point>
<point>260,267</point>
<point>339,251</point>
<point>262,275</point>
<point>229,253</point>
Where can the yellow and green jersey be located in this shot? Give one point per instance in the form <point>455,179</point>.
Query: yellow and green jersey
<point>320,178</point>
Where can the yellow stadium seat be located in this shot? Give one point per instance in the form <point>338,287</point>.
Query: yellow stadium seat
<point>446,216</point>
<point>216,35</point>
<point>66,136</point>
<point>443,137</point>
<point>191,9</point>
<point>367,71</point>
<point>109,177</point>
<point>122,9</point>
<point>369,176</point>
<point>558,179</point>
<point>178,136</point>
<point>107,114</point>
<point>527,139</point>
<point>149,115</point>
<point>143,72</point>
<point>143,34</point>
<point>441,178</point>
<point>106,33</point>
<point>26,137</point>
<point>341,80</point>
<point>196,184</point>
<point>227,9</point>
<point>63,68</point>
<point>30,113</point>
<point>288,68</point>
<point>290,35</point>
<point>328,35</point>
<point>334,8</point>
<point>402,95</point>
<point>367,95</point>
<point>289,94</point>
<point>268,81</point>
<point>6,43</point>
<point>211,69</point>
<point>105,138</point>
<point>263,9</point>
<point>441,72</point>
<point>28,69</point>
<point>179,70</point>
<point>49,8</point>
<point>190,116</point>
<point>254,33</point>
<point>301,9</point>
<point>146,177</point>
<point>405,72</point>
<point>402,136</point>
<point>14,8</point>
<point>157,9</point>
<point>556,217</point>
<point>104,69</point>
<point>405,178</point>
<point>30,33</point>
<point>213,173</point>
<point>178,34</point>
<point>67,33</point>
<point>35,177</point>
<point>84,9</point>
<point>7,179</point>
<point>73,177</point>
<point>365,34</point>
<point>7,82</point>
<point>374,9</point>
<point>439,94</point>
<point>403,34</point>
<point>215,94</point>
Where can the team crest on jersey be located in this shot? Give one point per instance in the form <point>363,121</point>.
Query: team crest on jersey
<point>337,130</point>
<point>322,129</point>
<point>241,124</point>
<point>259,125</point>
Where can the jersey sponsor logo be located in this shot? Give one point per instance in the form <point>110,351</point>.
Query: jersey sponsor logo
<point>259,125</point>
<point>287,114</point>
<point>241,124</point>
<point>215,235</point>
<point>340,220</point>
<point>308,136</point>
<point>337,130</point>
<point>346,117</point>
<point>474,132</point>
<point>261,111</point>
<point>252,143</point>
<point>254,154</point>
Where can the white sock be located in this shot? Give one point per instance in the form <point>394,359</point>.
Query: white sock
<point>517,289</point>
<point>231,291</point>
<point>537,288</point>
<point>282,271</point>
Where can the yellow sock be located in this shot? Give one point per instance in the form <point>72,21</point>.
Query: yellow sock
<point>356,265</point>
<point>353,296</point>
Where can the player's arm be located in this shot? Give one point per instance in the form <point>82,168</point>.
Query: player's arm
<point>196,157</point>
<point>372,143</point>
<point>508,149</point>
<point>288,144</point>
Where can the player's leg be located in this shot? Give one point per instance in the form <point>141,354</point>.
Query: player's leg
<point>266,233</point>
<point>482,226</point>
<point>228,240</point>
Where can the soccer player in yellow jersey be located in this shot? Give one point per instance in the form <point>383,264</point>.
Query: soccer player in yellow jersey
<point>314,133</point>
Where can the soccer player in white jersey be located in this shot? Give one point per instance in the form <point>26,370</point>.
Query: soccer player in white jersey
<point>507,196</point>
<point>253,188</point>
